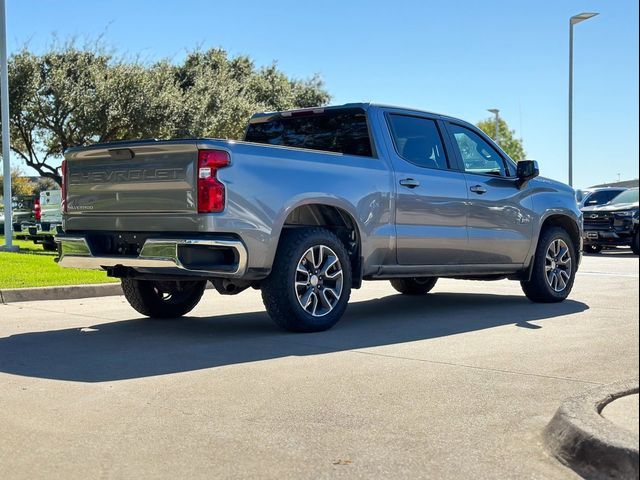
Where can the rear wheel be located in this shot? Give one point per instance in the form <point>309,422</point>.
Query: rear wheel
<point>49,245</point>
<point>160,299</point>
<point>554,268</point>
<point>592,248</point>
<point>310,283</point>
<point>635,243</point>
<point>414,286</point>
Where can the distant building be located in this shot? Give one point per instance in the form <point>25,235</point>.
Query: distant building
<point>624,184</point>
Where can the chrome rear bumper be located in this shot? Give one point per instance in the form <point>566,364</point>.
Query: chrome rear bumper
<point>156,253</point>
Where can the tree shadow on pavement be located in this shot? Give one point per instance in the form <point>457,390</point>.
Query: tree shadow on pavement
<point>139,347</point>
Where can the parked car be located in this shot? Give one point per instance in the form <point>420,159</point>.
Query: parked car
<point>613,224</point>
<point>592,197</point>
<point>47,220</point>
<point>312,203</point>
<point>23,210</point>
<point>22,207</point>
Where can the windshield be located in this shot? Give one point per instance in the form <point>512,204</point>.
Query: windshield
<point>601,197</point>
<point>630,196</point>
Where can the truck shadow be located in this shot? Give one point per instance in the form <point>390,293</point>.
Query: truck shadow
<point>138,348</point>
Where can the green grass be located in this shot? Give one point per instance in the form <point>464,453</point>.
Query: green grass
<point>33,267</point>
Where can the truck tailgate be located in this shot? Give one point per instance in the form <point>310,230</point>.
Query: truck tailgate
<point>132,177</point>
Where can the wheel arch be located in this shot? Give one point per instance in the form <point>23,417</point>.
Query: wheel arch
<point>567,223</point>
<point>335,216</point>
<point>556,219</point>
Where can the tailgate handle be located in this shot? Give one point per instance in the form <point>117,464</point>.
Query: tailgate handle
<point>121,153</point>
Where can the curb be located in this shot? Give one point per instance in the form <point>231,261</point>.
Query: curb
<point>591,445</point>
<point>68,292</point>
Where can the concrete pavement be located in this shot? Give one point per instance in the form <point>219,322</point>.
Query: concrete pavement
<point>456,384</point>
<point>623,412</point>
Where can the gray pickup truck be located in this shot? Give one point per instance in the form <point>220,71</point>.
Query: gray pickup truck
<point>309,205</point>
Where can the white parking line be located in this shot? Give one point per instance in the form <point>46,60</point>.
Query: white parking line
<point>609,274</point>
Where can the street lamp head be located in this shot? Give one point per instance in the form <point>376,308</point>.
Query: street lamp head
<point>495,111</point>
<point>581,17</point>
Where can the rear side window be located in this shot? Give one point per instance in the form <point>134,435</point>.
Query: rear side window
<point>418,141</point>
<point>340,130</point>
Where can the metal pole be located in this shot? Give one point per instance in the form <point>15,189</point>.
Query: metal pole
<point>4,118</point>
<point>496,134</point>
<point>573,21</point>
<point>570,103</point>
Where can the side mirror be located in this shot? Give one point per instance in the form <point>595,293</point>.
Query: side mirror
<point>527,170</point>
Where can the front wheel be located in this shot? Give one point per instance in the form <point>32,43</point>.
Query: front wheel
<point>635,243</point>
<point>310,283</point>
<point>554,268</point>
<point>414,286</point>
<point>163,299</point>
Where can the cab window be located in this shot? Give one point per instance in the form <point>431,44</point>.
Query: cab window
<point>477,155</point>
<point>418,141</point>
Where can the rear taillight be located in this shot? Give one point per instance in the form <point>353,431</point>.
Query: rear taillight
<point>37,211</point>
<point>211,192</point>
<point>63,191</point>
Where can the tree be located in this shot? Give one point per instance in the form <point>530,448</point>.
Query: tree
<point>44,184</point>
<point>508,142</point>
<point>70,97</point>
<point>20,185</point>
<point>220,94</point>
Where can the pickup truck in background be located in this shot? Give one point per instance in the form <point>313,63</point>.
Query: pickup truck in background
<point>309,205</point>
<point>613,224</point>
<point>46,221</point>
<point>22,209</point>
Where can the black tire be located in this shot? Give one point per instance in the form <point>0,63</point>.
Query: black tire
<point>279,291</point>
<point>49,246</point>
<point>168,299</point>
<point>538,288</point>
<point>635,243</point>
<point>414,286</point>
<point>592,248</point>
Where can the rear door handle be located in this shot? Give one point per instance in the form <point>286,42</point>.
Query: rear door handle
<point>479,189</point>
<point>409,183</point>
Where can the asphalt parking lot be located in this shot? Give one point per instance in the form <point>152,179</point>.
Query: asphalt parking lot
<point>456,384</point>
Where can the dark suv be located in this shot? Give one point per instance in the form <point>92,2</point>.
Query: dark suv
<point>612,224</point>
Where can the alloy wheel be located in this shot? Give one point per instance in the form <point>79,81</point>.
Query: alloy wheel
<point>558,265</point>
<point>319,278</point>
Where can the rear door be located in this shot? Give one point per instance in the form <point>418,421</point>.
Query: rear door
<point>499,218</point>
<point>431,210</point>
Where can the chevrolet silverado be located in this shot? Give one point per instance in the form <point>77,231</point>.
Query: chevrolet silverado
<point>310,204</point>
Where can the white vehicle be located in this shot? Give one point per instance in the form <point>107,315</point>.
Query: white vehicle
<point>48,220</point>
<point>50,208</point>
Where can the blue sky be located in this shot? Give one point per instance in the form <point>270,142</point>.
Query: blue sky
<point>458,58</point>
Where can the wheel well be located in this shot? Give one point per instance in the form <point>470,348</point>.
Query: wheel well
<point>337,220</point>
<point>568,224</point>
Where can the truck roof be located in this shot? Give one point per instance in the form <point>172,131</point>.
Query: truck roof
<point>256,117</point>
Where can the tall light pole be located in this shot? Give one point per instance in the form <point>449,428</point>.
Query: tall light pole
<point>496,112</point>
<point>581,17</point>
<point>4,118</point>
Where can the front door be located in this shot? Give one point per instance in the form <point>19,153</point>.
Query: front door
<point>431,210</point>
<point>500,216</point>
